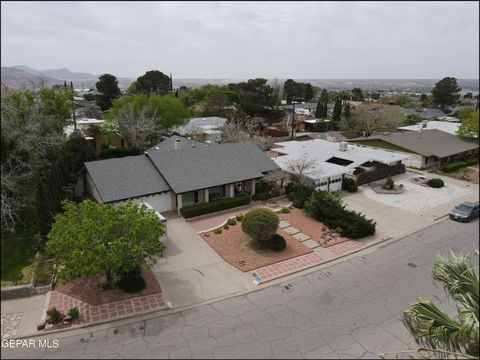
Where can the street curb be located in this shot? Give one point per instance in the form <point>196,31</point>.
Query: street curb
<point>168,311</point>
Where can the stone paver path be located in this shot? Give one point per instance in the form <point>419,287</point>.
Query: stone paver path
<point>10,324</point>
<point>286,267</point>
<point>311,244</point>
<point>283,224</point>
<point>291,230</point>
<point>92,313</point>
<point>346,247</point>
<point>301,237</point>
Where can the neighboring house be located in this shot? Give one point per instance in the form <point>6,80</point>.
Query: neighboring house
<point>425,113</point>
<point>448,127</point>
<point>169,179</point>
<point>332,161</point>
<point>334,136</point>
<point>207,126</point>
<point>428,148</point>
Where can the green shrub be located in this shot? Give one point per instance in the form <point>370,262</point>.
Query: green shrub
<point>231,222</point>
<point>265,195</point>
<point>298,193</point>
<point>276,243</point>
<point>73,312</point>
<point>218,231</point>
<point>214,206</point>
<point>435,183</point>
<point>458,165</point>
<point>226,227</point>
<point>328,208</point>
<point>285,210</point>
<point>132,281</point>
<point>350,185</point>
<point>389,184</point>
<point>53,316</point>
<point>239,217</point>
<point>260,224</point>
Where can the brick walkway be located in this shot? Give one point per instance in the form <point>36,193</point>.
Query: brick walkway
<point>92,313</point>
<point>346,247</point>
<point>286,267</point>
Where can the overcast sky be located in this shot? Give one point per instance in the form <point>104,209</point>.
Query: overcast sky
<point>317,40</point>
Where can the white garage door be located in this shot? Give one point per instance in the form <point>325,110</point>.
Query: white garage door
<point>161,203</point>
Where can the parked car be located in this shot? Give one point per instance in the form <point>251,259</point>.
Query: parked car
<point>465,212</point>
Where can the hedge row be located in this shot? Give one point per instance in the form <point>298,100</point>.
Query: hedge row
<point>214,206</point>
<point>458,165</point>
<point>265,195</point>
<point>328,209</point>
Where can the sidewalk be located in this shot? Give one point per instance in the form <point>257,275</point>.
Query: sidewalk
<point>21,316</point>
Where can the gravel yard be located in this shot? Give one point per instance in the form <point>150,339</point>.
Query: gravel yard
<point>416,198</point>
<point>238,249</point>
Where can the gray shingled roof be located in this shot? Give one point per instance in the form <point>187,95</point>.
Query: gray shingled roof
<point>169,144</point>
<point>427,142</point>
<point>191,169</point>
<point>427,113</point>
<point>124,178</point>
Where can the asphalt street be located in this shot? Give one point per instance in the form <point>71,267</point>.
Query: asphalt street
<point>348,310</point>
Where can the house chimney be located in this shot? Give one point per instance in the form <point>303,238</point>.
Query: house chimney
<point>178,144</point>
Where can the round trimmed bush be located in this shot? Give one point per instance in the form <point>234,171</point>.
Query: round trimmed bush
<point>226,227</point>
<point>435,183</point>
<point>239,217</point>
<point>285,210</point>
<point>218,231</point>
<point>231,222</point>
<point>276,243</point>
<point>132,281</point>
<point>389,184</point>
<point>260,224</point>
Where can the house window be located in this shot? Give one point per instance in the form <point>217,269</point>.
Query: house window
<point>239,187</point>
<point>188,198</point>
<point>215,193</point>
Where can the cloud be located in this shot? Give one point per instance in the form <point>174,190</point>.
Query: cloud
<point>246,39</point>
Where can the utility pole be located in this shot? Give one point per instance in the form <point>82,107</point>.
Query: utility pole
<point>293,118</point>
<point>73,108</point>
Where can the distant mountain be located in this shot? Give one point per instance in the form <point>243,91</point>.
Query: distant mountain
<point>14,78</point>
<point>61,74</point>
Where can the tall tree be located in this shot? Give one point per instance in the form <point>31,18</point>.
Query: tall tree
<point>430,326</point>
<point>357,94</point>
<point>469,127</point>
<point>107,85</point>
<point>153,81</point>
<point>446,92</point>
<point>322,108</point>
<point>309,92</point>
<point>138,117</point>
<point>255,97</point>
<point>337,109</point>
<point>92,238</point>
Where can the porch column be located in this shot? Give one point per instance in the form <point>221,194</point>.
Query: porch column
<point>231,190</point>
<point>252,192</point>
<point>179,203</point>
<point>205,196</point>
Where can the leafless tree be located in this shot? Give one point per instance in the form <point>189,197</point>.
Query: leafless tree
<point>13,171</point>
<point>301,168</point>
<point>135,125</point>
<point>242,130</point>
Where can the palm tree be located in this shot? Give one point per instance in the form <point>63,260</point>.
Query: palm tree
<point>432,327</point>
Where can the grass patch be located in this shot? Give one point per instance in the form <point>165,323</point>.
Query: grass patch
<point>17,253</point>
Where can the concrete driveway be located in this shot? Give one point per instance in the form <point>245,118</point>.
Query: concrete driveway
<point>391,221</point>
<point>191,272</point>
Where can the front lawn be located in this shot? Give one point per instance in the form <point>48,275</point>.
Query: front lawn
<point>239,250</point>
<point>17,252</point>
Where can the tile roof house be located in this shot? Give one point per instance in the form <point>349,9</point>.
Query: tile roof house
<point>429,148</point>
<point>175,174</point>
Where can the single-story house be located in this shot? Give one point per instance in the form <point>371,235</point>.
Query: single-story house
<point>448,127</point>
<point>427,148</point>
<point>331,161</point>
<point>208,126</point>
<point>334,136</point>
<point>184,174</point>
